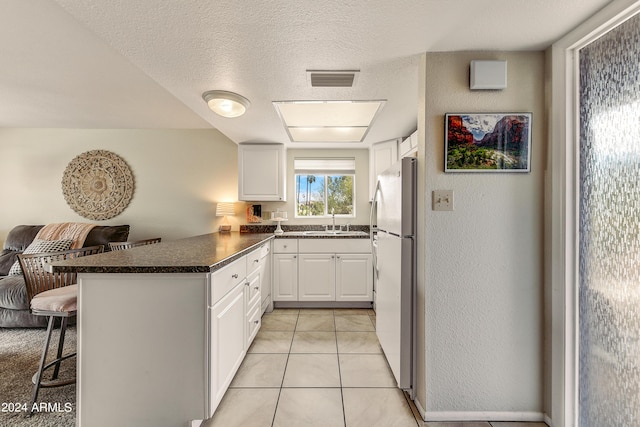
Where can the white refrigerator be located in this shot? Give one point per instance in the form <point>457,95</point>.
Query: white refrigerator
<point>394,251</point>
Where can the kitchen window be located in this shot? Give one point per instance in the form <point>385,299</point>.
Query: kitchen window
<point>325,187</point>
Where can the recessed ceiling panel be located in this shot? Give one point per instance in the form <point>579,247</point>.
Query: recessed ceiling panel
<point>330,134</point>
<point>328,113</point>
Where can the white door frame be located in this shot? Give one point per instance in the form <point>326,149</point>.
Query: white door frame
<point>562,207</point>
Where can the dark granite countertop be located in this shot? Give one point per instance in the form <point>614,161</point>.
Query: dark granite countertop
<point>199,254</point>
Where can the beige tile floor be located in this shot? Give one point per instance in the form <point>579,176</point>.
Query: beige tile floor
<point>324,368</point>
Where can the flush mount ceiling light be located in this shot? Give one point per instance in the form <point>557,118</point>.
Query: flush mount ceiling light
<point>226,104</point>
<point>328,121</point>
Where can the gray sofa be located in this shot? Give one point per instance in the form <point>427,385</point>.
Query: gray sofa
<point>14,307</point>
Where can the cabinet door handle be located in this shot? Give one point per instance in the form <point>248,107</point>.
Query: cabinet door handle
<point>294,257</point>
<point>234,276</point>
<point>257,288</point>
<point>338,257</point>
<point>256,260</point>
<point>247,283</point>
<point>256,321</point>
<point>332,257</point>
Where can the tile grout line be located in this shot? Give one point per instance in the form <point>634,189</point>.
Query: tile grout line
<point>344,411</point>
<point>273,420</point>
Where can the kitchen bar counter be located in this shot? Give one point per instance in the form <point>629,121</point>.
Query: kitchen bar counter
<point>151,321</point>
<point>199,254</point>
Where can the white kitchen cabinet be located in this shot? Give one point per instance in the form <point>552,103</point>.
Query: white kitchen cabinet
<point>316,277</point>
<point>381,156</point>
<point>328,270</point>
<point>262,172</point>
<point>252,311</point>
<point>354,277</point>
<point>227,342</point>
<point>260,260</point>
<point>285,277</point>
<point>409,145</point>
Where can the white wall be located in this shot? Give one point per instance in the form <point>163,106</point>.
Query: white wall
<point>362,188</point>
<point>482,276</point>
<point>179,176</point>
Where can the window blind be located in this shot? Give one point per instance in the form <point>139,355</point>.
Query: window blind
<point>343,166</point>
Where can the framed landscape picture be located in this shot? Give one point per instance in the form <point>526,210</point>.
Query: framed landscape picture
<point>488,142</point>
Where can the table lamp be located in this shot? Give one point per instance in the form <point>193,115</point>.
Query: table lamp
<point>225,209</point>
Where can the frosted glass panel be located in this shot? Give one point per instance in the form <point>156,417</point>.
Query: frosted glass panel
<point>609,264</point>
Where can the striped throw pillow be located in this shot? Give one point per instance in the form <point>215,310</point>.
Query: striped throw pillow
<point>41,246</point>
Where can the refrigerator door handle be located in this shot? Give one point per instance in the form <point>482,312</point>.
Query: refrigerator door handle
<point>374,203</point>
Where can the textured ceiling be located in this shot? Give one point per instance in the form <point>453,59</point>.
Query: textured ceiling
<point>146,63</point>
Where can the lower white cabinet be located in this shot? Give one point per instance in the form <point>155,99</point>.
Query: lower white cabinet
<point>354,277</point>
<point>252,306</point>
<point>317,277</point>
<point>234,319</point>
<point>285,277</point>
<point>323,270</point>
<point>227,345</point>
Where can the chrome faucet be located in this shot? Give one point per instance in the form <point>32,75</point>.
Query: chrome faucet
<point>333,217</point>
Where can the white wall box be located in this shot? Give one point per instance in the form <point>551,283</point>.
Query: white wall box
<point>381,156</point>
<point>488,75</point>
<point>262,172</point>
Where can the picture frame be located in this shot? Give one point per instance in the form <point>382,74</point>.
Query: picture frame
<point>487,142</point>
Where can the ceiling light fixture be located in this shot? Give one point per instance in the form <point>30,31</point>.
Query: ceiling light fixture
<point>328,121</point>
<point>226,104</point>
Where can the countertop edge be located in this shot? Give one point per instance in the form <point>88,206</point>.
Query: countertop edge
<point>119,266</point>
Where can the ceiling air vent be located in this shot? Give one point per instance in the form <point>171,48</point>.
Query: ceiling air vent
<point>323,78</point>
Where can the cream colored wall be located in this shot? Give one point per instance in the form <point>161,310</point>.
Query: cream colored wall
<point>482,264</point>
<point>179,176</point>
<point>362,188</point>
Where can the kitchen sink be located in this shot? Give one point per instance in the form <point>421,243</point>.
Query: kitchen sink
<point>335,233</point>
<point>329,233</point>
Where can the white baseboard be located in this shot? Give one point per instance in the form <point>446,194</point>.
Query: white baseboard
<point>483,416</point>
<point>420,409</point>
<point>548,420</point>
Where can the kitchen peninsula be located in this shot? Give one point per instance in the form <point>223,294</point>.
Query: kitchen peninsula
<point>163,328</point>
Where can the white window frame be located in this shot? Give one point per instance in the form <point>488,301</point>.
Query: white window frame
<point>324,167</point>
<point>563,194</point>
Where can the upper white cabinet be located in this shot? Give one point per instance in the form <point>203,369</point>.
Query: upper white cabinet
<point>381,156</point>
<point>262,172</point>
<point>409,145</point>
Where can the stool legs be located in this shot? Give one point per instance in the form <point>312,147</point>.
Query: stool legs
<point>63,330</point>
<point>38,376</point>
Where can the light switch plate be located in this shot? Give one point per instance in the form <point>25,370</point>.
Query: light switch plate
<point>442,200</point>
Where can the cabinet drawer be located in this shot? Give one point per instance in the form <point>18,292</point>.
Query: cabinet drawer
<point>285,246</point>
<point>253,289</point>
<point>334,245</point>
<point>255,258</point>
<point>253,323</point>
<point>223,280</point>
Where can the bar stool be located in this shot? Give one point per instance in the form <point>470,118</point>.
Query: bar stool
<point>119,246</point>
<point>54,295</point>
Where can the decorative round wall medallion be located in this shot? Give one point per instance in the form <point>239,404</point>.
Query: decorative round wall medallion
<point>98,184</point>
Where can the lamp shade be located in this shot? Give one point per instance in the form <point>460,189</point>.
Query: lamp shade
<point>225,209</point>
